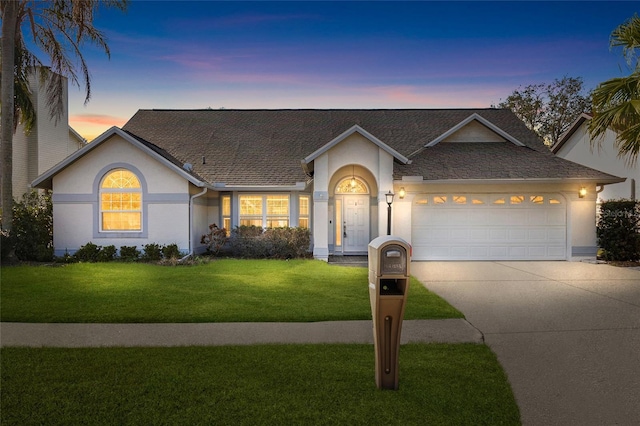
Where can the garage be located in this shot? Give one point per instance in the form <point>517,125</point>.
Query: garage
<point>505,226</point>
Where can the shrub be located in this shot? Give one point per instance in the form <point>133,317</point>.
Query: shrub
<point>107,254</point>
<point>32,230</point>
<point>151,252</point>
<point>618,230</point>
<point>171,251</point>
<point>274,243</point>
<point>88,253</point>
<point>215,239</point>
<point>129,253</point>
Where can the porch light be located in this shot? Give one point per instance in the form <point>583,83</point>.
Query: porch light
<point>582,192</point>
<point>402,193</point>
<point>389,197</point>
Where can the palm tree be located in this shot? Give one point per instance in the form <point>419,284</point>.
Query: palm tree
<point>616,102</point>
<point>58,29</point>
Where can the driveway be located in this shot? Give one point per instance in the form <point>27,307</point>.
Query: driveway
<point>566,333</point>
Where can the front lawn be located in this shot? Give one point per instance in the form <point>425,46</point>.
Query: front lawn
<point>227,290</point>
<point>253,385</point>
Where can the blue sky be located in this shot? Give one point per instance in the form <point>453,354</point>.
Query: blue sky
<point>421,54</point>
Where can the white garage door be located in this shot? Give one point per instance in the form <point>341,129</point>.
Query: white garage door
<point>515,226</point>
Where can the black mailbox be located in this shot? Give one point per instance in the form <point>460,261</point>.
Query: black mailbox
<point>389,259</point>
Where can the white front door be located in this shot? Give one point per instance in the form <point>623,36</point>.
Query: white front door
<point>355,223</point>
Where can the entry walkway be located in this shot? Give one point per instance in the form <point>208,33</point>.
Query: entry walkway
<point>212,334</point>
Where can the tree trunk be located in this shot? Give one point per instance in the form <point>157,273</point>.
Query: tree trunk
<point>9,23</point>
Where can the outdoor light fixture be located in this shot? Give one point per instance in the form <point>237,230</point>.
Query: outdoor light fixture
<point>582,192</point>
<point>402,192</point>
<point>389,196</point>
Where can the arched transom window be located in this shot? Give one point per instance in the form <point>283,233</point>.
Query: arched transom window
<point>352,185</point>
<point>121,201</point>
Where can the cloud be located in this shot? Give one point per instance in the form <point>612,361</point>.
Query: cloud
<point>96,119</point>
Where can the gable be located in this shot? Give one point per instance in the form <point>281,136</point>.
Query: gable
<point>348,133</point>
<point>45,180</point>
<point>474,131</point>
<point>477,127</point>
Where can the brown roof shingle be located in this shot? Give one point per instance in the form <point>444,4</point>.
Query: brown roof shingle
<point>265,147</point>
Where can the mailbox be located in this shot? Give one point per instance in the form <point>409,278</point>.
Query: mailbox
<point>389,259</point>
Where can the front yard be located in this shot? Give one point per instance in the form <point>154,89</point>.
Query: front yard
<point>227,290</point>
<point>326,384</point>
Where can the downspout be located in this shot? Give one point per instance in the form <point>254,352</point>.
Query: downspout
<point>191,245</point>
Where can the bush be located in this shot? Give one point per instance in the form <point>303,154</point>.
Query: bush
<point>152,252</point>
<point>107,254</point>
<point>32,230</point>
<point>129,253</point>
<point>88,253</point>
<point>171,251</point>
<point>215,239</point>
<point>618,230</point>
<point>273,243</point>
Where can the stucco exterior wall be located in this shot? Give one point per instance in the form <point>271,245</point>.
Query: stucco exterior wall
<point>578,149</point>
<point>47,144</point>
<point>354,155</point>
<point>76,200</point>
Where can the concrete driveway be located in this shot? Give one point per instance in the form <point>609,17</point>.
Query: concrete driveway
<point>566,333</point>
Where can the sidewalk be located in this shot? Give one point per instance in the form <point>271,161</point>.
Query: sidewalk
<point>217,334</point>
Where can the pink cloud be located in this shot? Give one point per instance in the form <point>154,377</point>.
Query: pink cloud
<point>96,119</point>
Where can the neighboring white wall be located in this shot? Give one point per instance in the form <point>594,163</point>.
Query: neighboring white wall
<point>578,149</point>
<point>75,200</point>
<point>48,143</point>
<point>581,212</point>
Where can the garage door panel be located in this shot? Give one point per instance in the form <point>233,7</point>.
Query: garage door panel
<point>489,232</point>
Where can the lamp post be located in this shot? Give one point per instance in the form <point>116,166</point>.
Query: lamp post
<point>389,196</point>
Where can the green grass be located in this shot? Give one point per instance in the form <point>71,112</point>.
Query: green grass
<point>226,290</point>
<point>253,385</point>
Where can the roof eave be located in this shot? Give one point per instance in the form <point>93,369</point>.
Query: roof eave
<point>221,186</point>
<point>44,181</point>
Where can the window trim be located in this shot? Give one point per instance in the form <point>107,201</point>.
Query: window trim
<point>98,233</point>
<point>103,190</point>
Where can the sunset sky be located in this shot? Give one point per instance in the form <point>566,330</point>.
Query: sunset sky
<point>246,55</point>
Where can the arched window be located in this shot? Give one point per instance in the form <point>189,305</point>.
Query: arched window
<point>352,185</point>
<point>120,201</point>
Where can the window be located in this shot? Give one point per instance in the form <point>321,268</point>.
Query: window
<point>460,199</point>
<point>250,210</point>
<point>536,199</point>
<point>517,199</point>
<point>270,211</point>
<point>352,185</point>
<point>339,229</point>
<point>277,211</point>
<point>226,213</point>
<point>120,201</point>
<point>440,199</point>
<point>498,201</point>
<point>303,212</point>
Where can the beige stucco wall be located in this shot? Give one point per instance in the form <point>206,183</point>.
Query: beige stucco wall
<point>166,195</point>
<point>355,154</point>
<point>578,149</point>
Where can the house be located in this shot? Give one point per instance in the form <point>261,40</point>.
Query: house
<point>575,145</point>
<point>469,184</point>
<point>48,143</point>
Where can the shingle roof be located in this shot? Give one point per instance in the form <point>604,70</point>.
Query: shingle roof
<point>265,147</point>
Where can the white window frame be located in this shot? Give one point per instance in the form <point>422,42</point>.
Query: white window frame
<point>102,211</point>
